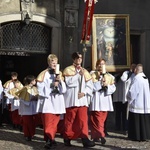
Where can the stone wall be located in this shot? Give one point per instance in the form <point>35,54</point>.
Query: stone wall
<point>69,14</point>
<point>9,6</point>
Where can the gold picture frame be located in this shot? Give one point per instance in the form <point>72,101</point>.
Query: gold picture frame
<point>111,41</point>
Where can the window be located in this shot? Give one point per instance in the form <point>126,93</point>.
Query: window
<point>32,38</point>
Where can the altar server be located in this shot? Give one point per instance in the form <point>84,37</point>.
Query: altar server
<point>101,101</point>
<point>28,96</point>
<point>15,103</point>
<point>79,87</point>
<point>6,101</point>
<point>51,103</point>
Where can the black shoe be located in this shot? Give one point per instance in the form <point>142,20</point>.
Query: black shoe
<point>96,140</point>
<point>50,144</point>
<point>103,140</point>
<point>47,146</point>
<point>67,142</point>
<point>28,138</point>
<point>106,134</point>
<point>54,143</point>
<point>87,143</point>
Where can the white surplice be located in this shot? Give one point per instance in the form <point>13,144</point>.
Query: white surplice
<point>139,95</point>
<point>47,101</point>
<point>102,100</point>
<point>73,88</point>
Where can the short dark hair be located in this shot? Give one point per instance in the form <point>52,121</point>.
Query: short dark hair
<point>75,55</point>
<point>27,80</point>
<point>14,74</point>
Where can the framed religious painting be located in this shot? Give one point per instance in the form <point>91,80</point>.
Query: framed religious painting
<point>111,41</point>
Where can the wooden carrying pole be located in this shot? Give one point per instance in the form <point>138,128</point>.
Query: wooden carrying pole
<point>86,29</point>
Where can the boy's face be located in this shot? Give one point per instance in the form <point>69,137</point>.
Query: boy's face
<point>52,64</point>
<point>17,85</point>
<point>78,61</point>
<point>13,77</point>
<point>99,66</point>
<point>33,82</point>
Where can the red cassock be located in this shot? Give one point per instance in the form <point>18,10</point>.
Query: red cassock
<point>50,122</point>
<point>38,119</point>
<point>97,119</point>
<point>61,127</point>
<point>28,125</point>
<point>76,123</point>
<point>15,117</point>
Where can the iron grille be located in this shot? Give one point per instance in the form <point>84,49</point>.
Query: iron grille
<point>17,36</point>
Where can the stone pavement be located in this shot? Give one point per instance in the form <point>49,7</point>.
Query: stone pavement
<point>13,140</point>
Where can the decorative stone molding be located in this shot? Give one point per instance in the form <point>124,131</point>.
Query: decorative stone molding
<point>49,21</point>
<point>72,4</point>
<point>10,17</point>
<point>71,18</point>
<point>26,8</point>
<point>71,13</point>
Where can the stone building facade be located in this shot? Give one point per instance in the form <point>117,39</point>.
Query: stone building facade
<point>55,27</point>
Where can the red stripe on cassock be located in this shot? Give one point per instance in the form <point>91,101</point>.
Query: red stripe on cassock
<point>87,22</point>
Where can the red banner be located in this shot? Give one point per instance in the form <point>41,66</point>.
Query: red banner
<point>87,22</point>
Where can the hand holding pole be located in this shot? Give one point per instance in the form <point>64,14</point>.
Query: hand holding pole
<point>55,90</point>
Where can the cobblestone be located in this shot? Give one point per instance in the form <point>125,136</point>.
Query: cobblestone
<point>11,139</point>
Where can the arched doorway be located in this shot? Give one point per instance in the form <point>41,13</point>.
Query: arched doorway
<point>23,48</point>
<point>24,65</point>
<point>28,59</point>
